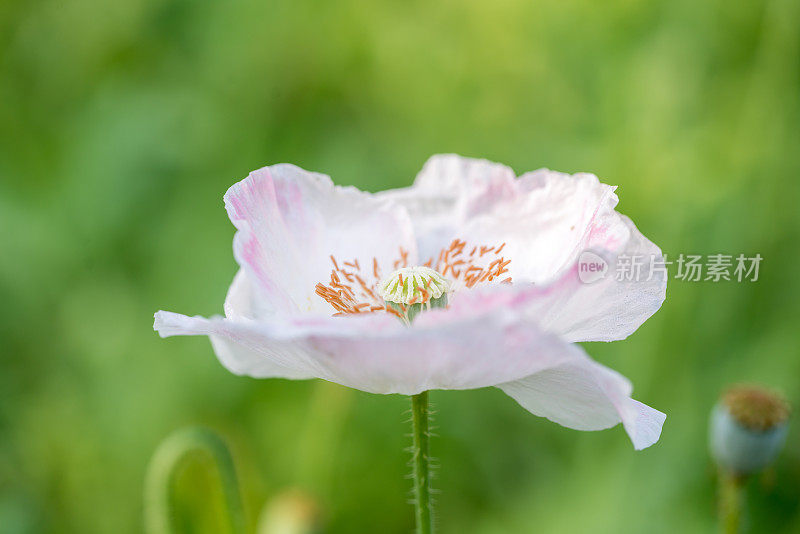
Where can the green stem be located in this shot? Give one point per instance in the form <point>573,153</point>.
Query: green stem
<point>163,469</point>
<point>731,494</point>
<point>421,461</point>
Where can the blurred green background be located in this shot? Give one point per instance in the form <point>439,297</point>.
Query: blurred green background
<point>122,124</point>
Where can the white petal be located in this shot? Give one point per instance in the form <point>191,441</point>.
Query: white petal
<point>608,309</point>
<point>240,303</point>
<point>448,191</point>
<point>240,360</point>
<point>376,353</point>
<point>239,350</point>
<point>444,349</point>
<point>584,395</point>
<point>291,221</point>
<point>550,221</point>
<point>547,219</point>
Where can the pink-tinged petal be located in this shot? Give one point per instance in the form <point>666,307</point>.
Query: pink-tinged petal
<point>376,353</point>
<point>608,309</point>
<point>240,300</point>
<point>275,359</point>
<point>449,190</point>
<point>290,221</point>
<point>243,361</point>
<point>442,350</point>
<point>584,395</point>
<point>240,303</point>
<point>546,220</point>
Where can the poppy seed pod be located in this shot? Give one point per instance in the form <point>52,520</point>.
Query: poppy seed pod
<point>411,290</point>
<point>748,429</point>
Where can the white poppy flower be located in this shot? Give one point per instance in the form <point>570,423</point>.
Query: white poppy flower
<point>311,301</point>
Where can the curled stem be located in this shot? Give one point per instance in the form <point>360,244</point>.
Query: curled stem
<point>421,461</point>
<point>163,468</point>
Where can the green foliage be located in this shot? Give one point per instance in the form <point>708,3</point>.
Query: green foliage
<point>122,123</point>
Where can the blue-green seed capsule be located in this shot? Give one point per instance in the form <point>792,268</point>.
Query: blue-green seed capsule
<point>748,429</point>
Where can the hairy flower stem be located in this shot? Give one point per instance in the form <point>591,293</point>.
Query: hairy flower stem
<point>421,458</point>
<point>163,468</point>
<point>731,494</point>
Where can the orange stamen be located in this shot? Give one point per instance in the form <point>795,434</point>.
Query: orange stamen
<point>348,292</point>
